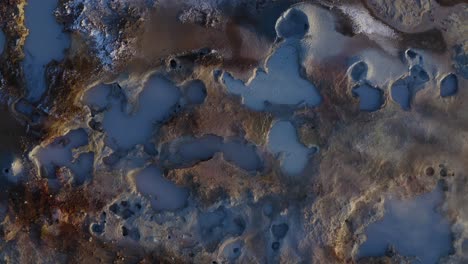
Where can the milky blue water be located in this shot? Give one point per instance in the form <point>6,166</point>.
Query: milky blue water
<point>46,42</point>
<point>449,85</point>
<point>283,141</point>
<point>414,227</point>
<point>281,85</point>
<point>163,194</point>
<point>370,98</point>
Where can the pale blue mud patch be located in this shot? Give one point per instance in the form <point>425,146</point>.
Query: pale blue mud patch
<point>187,152</point>
<point>370,98</point>
<point>163,194</point>
<point>195,92</point>
<point>241,154</point>
<point>401,94</point>
<point>292,24</point>
<point>124,130</point>
<point>2,41</point>
<point>283,142</point>
<point>449,85</point>
<point>282,85</point>
<point>404,90</point>
<point>59,154</point>
<point>358,71</point>
<point>200,149</point>
<point>46,42</point>
<point>97,98</point>
<point>413,227</point>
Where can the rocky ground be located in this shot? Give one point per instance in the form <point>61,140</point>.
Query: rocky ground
<point>237,132</point>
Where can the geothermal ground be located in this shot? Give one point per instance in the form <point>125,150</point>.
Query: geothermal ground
<point>234,131</point>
